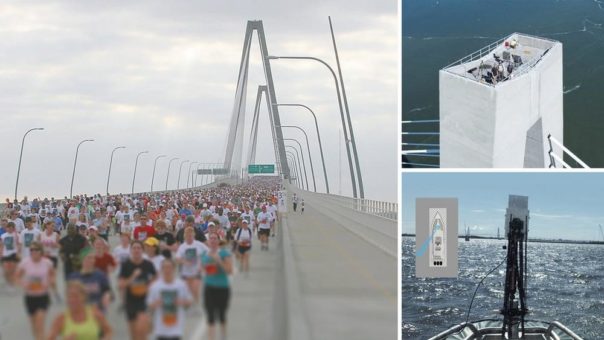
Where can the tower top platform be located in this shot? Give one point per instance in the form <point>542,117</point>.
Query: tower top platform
<point>503,60</point>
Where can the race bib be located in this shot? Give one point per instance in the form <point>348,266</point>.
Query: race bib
<point>138,288</point>
<point>169,308</point>
<point>211,268</point>
<point>142,236</point>
<point>35,284</point>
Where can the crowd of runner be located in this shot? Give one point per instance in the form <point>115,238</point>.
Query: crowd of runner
<point>174,255</point>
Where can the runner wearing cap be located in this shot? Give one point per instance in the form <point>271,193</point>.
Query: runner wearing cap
<point>36,275</point>
<point>135,276</point>
<point>188,255</point>
<point>153,254</point>
<point>168,296</point>
<point>92,234</point>
<point>243,237</point>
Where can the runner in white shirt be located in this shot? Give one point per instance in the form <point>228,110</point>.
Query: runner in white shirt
<point>127,225</point>
<point>27,236</point>
<point>248,215</point>
<point>122,252</point>
<point>243,237</point>
<point>189,256</point>
<point>167,298</point>
<point>264,227</point>
<point>152,251</point>
<point>50,242</point>
<point>19,225</point>
<point>273,211</point>
<point>73,211</point>
<point>9,248</point>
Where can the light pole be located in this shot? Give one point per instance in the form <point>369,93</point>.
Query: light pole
<point>197,174</point>
<point>303,160</point>
<point>154,165</point>
<point>312,170</point>
<point>179,171</point>
<point>190,174</point>
<point>299,170</point>
<point>352,173</point>
<point>110,164</point>
<point>75,161</point>
<point>168,174</point>
<point>318,137</point>
<point>135,166</point>
<point>302,163</point>
<point>21,156</point>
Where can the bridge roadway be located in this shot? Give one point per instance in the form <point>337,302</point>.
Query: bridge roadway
<point>321,279</point>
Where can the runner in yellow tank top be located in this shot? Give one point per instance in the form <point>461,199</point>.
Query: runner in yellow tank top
<point>72,329</point>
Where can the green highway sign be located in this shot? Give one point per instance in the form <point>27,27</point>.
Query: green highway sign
<point>261,169</point>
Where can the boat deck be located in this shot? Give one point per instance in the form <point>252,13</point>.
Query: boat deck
<point>491,329</point>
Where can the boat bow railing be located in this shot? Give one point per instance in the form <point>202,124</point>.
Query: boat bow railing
<point>553,158</point>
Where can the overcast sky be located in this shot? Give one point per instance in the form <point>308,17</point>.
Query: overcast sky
<point>161,76</point>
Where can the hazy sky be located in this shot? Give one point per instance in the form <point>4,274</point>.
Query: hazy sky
<point>562,205</point>
<point>161,76</point>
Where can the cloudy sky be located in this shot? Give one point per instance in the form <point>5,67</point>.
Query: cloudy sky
<point>562,205</point>
<point>161,76</point>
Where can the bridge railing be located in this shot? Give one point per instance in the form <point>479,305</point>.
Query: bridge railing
<point>386,210</point>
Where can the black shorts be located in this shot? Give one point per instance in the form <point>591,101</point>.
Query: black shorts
<point>242,250</point>
<point>10,258</point>
<point>216,302</point>
<point>35,303</point>
<point>134,308</point>
<point>266,232</point>
<point>168,338</point>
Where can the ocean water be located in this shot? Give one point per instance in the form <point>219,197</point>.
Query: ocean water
<point>565,283</point>
<point>438,32</point>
